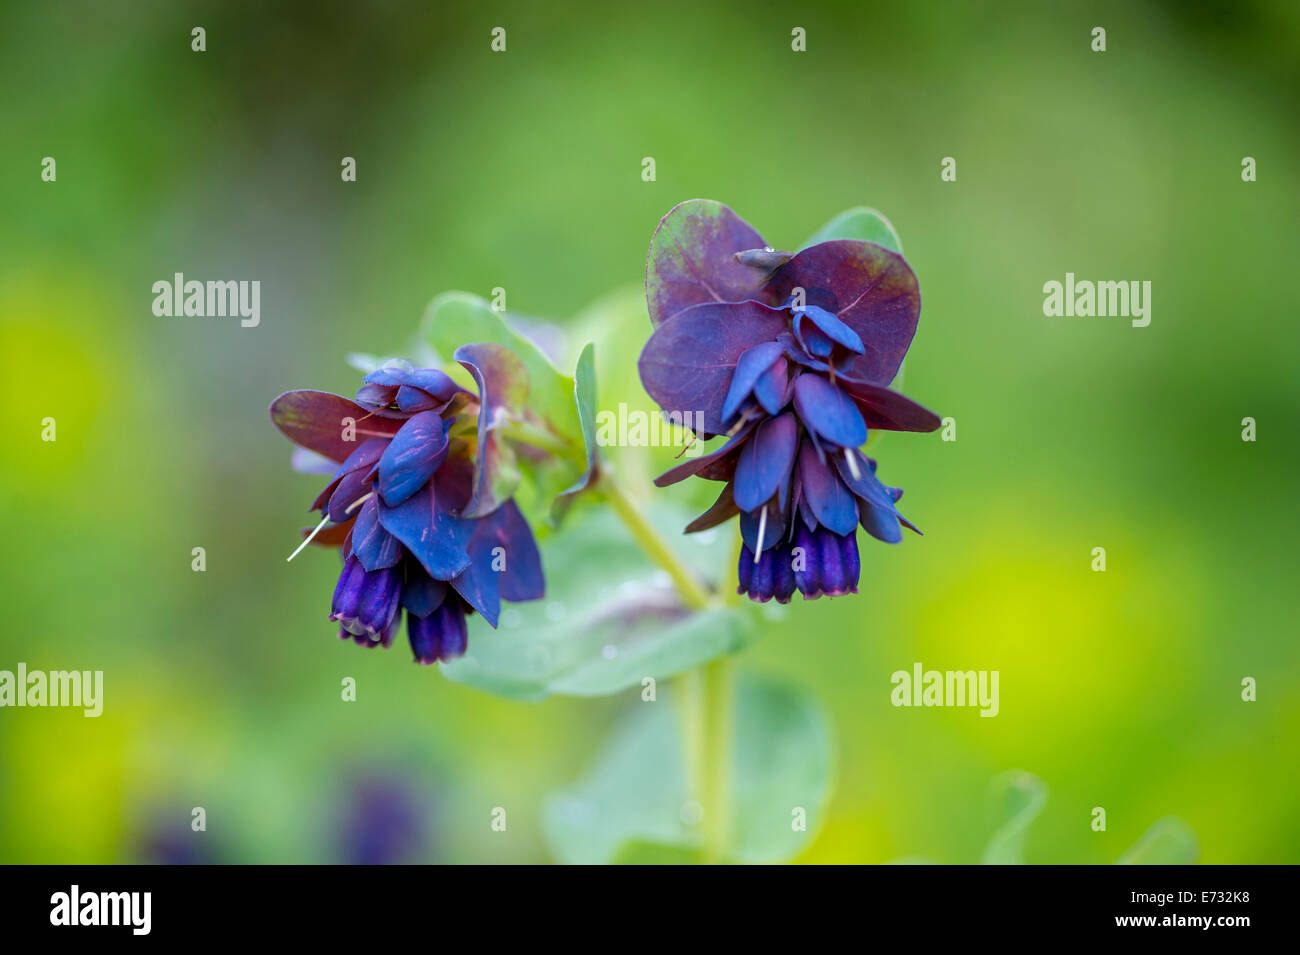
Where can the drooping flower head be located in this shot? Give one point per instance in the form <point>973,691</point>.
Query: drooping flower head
<point>413,503</point>
<point>789,357</point>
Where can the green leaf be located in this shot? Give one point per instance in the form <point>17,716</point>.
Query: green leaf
<point>584,397</point>
<point>610,618</point>
<point>634,795</point>
<point>1018,798</point>
<point>861,223</point>
<point>656,853</point>
<point>454,319</point>
<point>1169,841</point>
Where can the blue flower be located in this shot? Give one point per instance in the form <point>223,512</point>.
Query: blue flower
<point>409,505</point>
<point>788,357</point>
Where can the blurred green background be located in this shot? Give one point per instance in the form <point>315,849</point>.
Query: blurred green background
<point>523,170</point>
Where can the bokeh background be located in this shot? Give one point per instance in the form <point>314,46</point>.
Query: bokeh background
<point>523,170</point>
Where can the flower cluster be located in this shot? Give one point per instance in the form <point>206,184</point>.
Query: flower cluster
<point>411,503</point>
<point>789,356</point>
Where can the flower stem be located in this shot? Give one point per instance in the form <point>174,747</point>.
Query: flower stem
<point>706,695</point>
<point>529,433</point>
<point>693,595</point>
<point>715,790</point>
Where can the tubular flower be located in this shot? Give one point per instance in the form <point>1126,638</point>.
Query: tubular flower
<point>788,356</point>
<point>410,504</point>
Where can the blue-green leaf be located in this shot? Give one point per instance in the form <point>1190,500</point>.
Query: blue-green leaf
<point>1017,798</point>
<point>1169,841</point>
<point>454,319</point>
<point>633,801</point>
<point>610,618</point>
<point>584,398</point>
<point>862,223</point>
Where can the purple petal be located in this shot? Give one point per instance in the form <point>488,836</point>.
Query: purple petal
<point>865,286</point>
<point>411,457</point>
<point>332,535</point>
<point>318,421</point>
<point>355,485</point>
<point>717,462</point>
<point>688,363</point>
<point>766,461</point>
<point>436,538</point>
<point>724,508</point>
<point>372,545</point>
<point>751,366</point>
<point>829,411</point>
<point>503,389</point>
<point>807,572</point>
<point>830,501</point>
<point>889,410</point>
<point>366,455</point>
<point>380,396</point>
<point>692,259</point>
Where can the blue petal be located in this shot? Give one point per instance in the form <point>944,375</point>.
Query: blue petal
<point>372,545</point>
<point>829,411</point>
<point>504,563</point>
<point>773,533</point>
<point>522,578</point>
<point>436,538</point>
<point>765,461</point>
<point>421,594</point>
<point>412,457</point>
<point>750,366</point>
<point>817,344</point>
<point>865,485</point>
<point>773,386</point>
<point>834,329</point>
<point>880,524</point>
<point>413,400</point>
<point>830,501</point>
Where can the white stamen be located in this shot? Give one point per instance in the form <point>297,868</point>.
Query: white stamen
<point>762,529</point>
<point>853,463</point>
<point>325,520</point>
<point>358,502</point>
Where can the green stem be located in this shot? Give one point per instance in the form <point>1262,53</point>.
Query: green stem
<point>706,695</point>
<point>538,437</point>
<point>693,595</point>
<point>715,791</point>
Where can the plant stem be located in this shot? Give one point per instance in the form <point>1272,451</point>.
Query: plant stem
<point>693,595</point>
<point>706,695</point>
<point>717,757</point>
<point>537,437</point>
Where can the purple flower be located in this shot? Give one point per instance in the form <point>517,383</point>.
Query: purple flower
<point>789,357</point>
<point>411,504</point>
